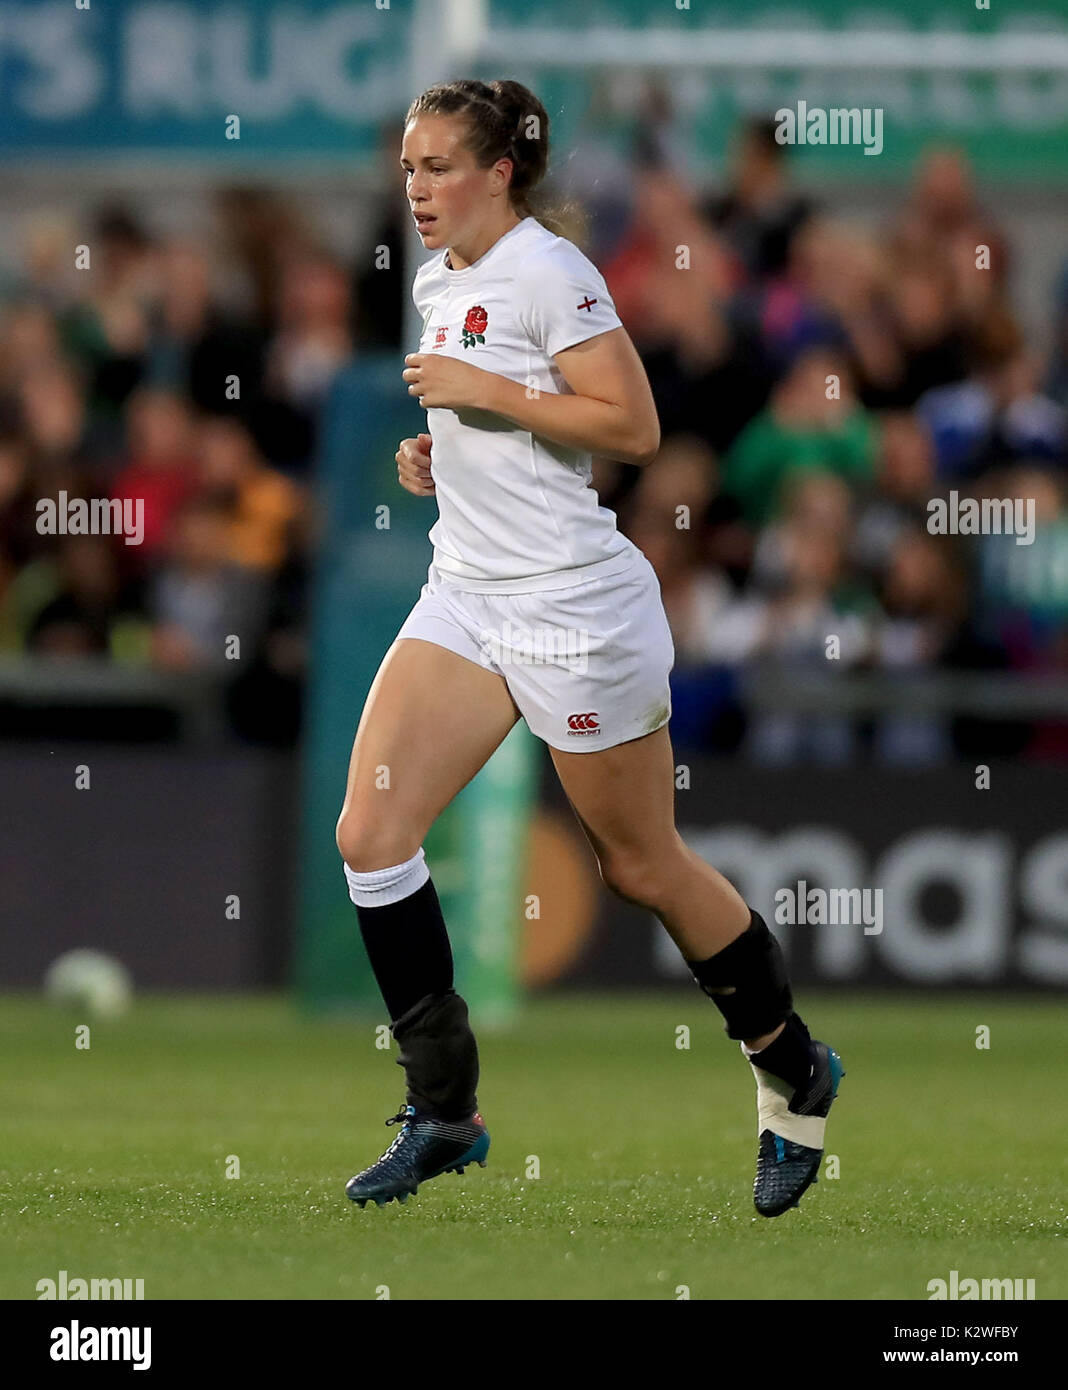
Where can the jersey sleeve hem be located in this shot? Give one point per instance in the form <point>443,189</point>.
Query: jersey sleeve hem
<point>581,337</point>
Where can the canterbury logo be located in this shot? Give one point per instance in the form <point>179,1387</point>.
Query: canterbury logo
<point>583,723</point>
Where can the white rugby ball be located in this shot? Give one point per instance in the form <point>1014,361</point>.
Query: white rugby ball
<point>90,981</point>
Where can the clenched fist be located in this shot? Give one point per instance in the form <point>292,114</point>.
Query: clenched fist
<point>413,466</point>
<point>446,383</point>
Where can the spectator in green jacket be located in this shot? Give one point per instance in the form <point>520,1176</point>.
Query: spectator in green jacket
<point>813,421</point>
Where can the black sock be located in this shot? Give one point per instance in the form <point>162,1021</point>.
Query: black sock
<point>789,1057</point>
<point>408,947</point>
<point>440,1057</point>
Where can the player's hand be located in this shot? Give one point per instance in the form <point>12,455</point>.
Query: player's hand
<point>413,466</point>
<point>444,382</point>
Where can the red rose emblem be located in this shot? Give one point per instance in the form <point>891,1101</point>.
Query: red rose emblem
<point>475,326</point>
<point>476,320</point>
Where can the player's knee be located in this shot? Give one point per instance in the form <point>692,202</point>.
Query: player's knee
<point>366,846</point>
<point>634,878</point>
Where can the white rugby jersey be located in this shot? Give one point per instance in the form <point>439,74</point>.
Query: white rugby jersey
<point>515,512</point>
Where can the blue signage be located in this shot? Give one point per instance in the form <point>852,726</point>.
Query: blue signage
<point>315,78</point>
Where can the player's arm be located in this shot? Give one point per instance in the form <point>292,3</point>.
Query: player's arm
<point>611,412</point>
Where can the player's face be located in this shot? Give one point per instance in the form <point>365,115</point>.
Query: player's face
<point>448,194</point>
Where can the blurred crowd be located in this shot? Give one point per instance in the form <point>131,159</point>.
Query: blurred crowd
<point>818,383</point>
<point>189,380</point>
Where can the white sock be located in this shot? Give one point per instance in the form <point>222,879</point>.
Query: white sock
<point>382,886</point>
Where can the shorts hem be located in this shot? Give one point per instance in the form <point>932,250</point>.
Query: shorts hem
<point>454,647</point>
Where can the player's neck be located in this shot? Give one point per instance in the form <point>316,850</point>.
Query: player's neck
<point>460,257</point>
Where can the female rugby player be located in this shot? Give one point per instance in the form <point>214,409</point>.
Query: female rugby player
<point>525,371</point>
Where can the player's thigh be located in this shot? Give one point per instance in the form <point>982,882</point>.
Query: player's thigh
<point>431,720</point>
<point>624,798</point>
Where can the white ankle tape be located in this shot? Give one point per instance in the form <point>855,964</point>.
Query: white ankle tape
<point>383,886</point>
<point>774,1113</point>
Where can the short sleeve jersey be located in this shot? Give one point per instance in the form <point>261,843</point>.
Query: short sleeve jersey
<point>516,513</point>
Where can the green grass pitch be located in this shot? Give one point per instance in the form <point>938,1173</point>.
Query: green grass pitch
<point>114,1159</point>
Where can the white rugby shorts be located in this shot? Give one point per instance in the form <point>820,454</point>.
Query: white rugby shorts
<point>586,666</point>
